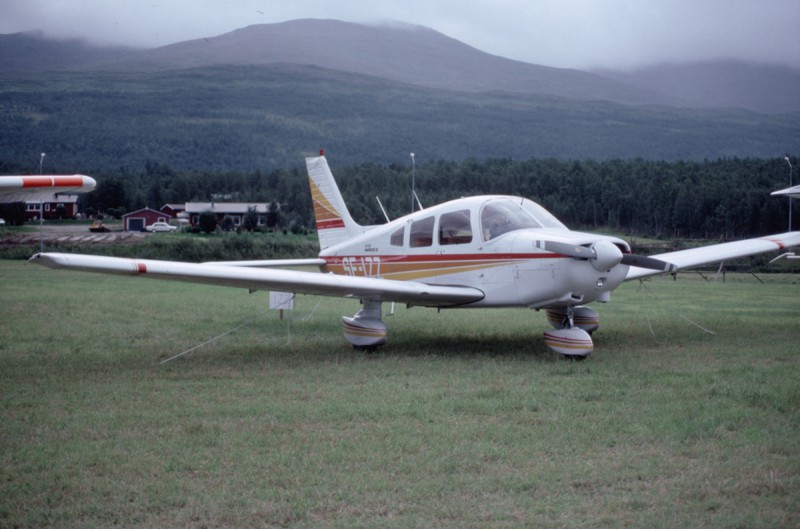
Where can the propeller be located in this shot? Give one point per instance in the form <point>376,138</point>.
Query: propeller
<point>605,255</point>
<point>647,262</point>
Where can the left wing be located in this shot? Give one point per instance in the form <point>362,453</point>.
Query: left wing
<point>716,253</point>
<point>271,263</point>
<point>413,293</point>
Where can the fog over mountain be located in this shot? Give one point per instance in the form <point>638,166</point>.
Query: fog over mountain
<point>266,95</point>
<point>420,56</point>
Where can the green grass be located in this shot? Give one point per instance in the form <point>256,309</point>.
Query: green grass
<point>464,420</point>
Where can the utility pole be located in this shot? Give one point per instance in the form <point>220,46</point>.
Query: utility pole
<point>790,185</point>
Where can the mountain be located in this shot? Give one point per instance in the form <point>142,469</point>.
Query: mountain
<point>420,56</point>
<point>409,54</point>
<point>768,89</point>
<point>264,96</point>
<point>265,117</point>
<point>33,52</point>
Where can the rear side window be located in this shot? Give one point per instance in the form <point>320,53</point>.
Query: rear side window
<point>455,228</point>
<point>422,233</point>
<point>397,237</point>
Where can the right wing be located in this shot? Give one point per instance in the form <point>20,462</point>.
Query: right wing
<point>410,292</point>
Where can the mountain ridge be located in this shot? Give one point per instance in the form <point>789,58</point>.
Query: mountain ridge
<point>409,54</point>
<point>421,56</point>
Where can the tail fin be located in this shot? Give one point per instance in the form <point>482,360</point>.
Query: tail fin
<point>334,223</point>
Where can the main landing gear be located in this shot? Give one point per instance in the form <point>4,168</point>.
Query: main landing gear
<point>365,330</point>
<point>571,334</point>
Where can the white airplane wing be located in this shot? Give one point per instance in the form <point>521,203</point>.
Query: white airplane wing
<point>33,188</point>
<point>716,253</point>
<point>315,283</point>
<point>270,263</point>
<point>793,192</point>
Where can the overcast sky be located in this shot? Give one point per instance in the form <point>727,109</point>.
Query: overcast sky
<point>562,33</point>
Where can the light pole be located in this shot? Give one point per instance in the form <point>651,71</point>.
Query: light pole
<point>413,181</point>
<point>41,210</point>
<point>790,185</point>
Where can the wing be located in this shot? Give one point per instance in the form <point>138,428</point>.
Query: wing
<point>270,263</point>
<point>413,293</point>
<point>33,188</point>
<point>719,252</point>
<point>793,192</point>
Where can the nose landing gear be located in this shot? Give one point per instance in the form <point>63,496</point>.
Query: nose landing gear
<point>570,336</point>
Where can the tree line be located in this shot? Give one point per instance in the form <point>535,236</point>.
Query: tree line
<point>713,199</point>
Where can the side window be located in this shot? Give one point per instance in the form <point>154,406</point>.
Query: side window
<point>397,237</point>
<point>455,228</point>
<point>422,233</point>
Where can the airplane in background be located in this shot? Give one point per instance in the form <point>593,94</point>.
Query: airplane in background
<point>42,187</point>
<point>792,192</point>
<point>478,252</point>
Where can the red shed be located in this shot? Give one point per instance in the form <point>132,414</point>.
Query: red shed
<point>137,220</point>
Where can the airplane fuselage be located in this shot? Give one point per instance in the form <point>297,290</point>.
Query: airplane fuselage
<point>492,243</point>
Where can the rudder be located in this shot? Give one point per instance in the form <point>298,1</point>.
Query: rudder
<point>334,223</point>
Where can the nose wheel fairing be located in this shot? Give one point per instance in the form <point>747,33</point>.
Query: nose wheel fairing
<point>572,328</point>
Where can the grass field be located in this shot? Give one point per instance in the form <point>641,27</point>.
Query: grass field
<point>464,420</point>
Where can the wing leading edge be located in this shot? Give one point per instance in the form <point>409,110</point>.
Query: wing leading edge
<point>314,283</point>
<point>716,253</point>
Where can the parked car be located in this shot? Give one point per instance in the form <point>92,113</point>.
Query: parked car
<point>160,226</point>
<point>2,222</point>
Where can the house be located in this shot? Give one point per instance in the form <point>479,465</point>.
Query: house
<point>56,207</point>
<point>139,219</point>
<point>173,210</point>
<point>235,210</point>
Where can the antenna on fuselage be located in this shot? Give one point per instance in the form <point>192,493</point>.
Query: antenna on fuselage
<point>413,181</point>
<point>382,209</point>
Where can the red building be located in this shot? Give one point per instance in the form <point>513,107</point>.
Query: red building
<point>56,207</point>
<point>139,219</point>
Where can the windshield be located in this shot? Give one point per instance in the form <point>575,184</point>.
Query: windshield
<point>502,215</point>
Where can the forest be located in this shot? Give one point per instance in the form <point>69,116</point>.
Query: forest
<point>269,117</point>
<point>719,199</point>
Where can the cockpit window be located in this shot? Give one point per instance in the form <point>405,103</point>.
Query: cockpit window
<point>455,227</point>
<point>541,215</point>
<point>502,215</point>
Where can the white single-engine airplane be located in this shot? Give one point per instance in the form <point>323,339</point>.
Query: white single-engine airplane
<point>483,251</point>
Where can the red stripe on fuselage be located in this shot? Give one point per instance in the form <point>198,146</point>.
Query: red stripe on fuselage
<point>426,258</point>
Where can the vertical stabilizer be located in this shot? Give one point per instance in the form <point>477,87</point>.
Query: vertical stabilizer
<point>334,223</point>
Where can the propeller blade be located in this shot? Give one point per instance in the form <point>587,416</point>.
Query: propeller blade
<point>603,254</point>
<point>570,250</point>
<point>648,262</point>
